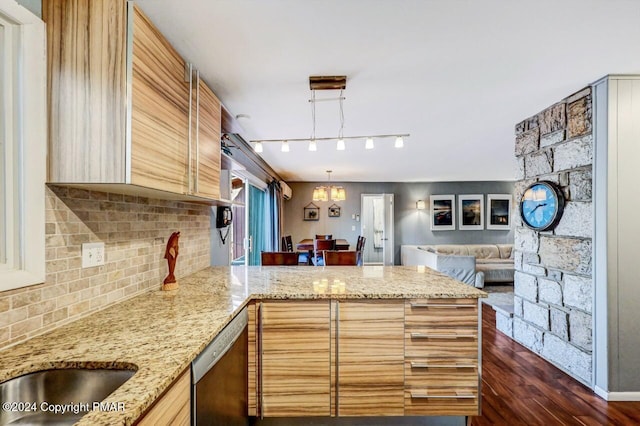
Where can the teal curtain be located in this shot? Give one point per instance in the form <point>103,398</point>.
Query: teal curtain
<point>257,218</point>
<point>264,220</point>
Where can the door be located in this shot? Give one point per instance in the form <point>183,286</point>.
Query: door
<point>239,242</point>
<point>377,227</point>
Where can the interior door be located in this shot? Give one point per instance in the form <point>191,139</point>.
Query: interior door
<point>239,244</point>
<point>377,227</point>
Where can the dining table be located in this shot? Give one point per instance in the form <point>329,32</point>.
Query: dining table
<point>307,244</point>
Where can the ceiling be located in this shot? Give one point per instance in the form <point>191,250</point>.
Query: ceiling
<point>455,74</point>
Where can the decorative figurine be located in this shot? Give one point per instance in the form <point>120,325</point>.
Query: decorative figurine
<point>171,254</point>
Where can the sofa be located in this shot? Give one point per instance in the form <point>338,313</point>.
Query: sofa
<point>474,264</point>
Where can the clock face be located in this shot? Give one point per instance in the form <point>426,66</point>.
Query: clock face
<point>541,206</point>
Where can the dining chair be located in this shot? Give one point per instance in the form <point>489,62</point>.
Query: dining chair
<point>340,257</point>
<point>287,243</point>
<point>320,246</point>
<point>272,258</point>
<point>360,249</point>
<point>324,236</point>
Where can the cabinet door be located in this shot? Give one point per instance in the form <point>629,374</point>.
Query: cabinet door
<point>86,73</point>
<point>174,407</point>
<point>159,112</point>
<point>370,353</point>
<point>206,145</point>
<point>294,366</point>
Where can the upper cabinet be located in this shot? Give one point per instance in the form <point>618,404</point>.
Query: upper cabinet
<point>125,109</point>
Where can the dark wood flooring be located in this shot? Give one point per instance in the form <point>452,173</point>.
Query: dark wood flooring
<point>520,388</point>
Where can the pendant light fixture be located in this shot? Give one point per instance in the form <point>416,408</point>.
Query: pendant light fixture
<point>326,192</point>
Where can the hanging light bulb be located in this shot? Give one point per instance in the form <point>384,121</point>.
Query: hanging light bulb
<point>369,143</point>
<point>399,142</point>
<point>340,146</point>
<point>313,146</point>
<point>258,147</point>
<point>285,146</point>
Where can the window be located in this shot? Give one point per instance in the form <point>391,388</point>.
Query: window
<point>22,146</point>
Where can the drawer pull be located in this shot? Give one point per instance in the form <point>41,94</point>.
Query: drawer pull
<point>456,396</point>
<point>439,305</point>
<point>415,364</point>
<point>441,336</point>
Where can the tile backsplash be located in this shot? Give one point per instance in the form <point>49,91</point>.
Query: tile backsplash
<point>134,230</point>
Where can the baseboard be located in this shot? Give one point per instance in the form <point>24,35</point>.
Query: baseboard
<point>616,396</point>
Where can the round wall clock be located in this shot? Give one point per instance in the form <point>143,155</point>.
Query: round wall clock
<point>542,205</point>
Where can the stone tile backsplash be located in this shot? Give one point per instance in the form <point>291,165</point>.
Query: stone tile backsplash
<point>135,231</point>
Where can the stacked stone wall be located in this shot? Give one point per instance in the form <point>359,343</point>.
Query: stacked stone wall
<point>553,279</point>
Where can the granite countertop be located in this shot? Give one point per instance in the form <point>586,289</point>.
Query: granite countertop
<point>160,333</point>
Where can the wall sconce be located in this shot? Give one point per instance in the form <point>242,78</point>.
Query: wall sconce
<point>420,205</point>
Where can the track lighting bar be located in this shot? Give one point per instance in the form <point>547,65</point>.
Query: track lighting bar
<point>335,138</point>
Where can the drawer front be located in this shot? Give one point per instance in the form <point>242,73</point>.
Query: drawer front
<point>455,401</point>
<point>441,372</point>
<point>441,312</point>
<point>441,342</point>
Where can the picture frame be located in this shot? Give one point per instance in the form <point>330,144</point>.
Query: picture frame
<point>499,208</point>
<point>471,212</point>
<point>311,212</point>
<point>443,212</point>
<point>334,210</point>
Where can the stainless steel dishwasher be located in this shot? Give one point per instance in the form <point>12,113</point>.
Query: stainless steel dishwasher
<point>219,377</point>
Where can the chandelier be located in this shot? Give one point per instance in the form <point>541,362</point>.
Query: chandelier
<point>330,83</point>
<point>324,193</point>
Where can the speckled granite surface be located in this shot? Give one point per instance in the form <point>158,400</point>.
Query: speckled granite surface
<point>160,333</point>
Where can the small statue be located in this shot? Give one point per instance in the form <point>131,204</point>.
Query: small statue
<point>171,254</point>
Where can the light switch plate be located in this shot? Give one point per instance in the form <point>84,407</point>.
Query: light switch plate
<point>92,254</point>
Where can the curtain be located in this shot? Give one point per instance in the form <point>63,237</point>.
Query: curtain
<point>256,223</point>
<point>272,215</point>
<point>265,209</point>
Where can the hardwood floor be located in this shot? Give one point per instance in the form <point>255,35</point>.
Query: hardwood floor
<point>520,388</point>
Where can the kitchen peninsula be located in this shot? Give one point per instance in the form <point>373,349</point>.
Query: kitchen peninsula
<point>432,320</point>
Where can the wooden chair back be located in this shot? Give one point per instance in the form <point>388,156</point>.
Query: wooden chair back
<point>324,236</point>
<point>271,258</point>
<point>320,246</point>
<point>287,243</point>
<point>340,258</point>
<point>360,243</point>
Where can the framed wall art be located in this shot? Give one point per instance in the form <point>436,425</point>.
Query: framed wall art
<point>443,212</point>
<point>311,212</point>
<point>471,216</point>
<point>499,211</point>
<point>334,210</point>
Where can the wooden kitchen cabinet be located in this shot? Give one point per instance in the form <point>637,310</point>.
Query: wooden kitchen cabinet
<point>173,408</point>
<point>370,358</point>
<point>293,358</point>
<point>441,357</point>
<point>321,358</point>
<point>206,144</point>
<point>123,106</point>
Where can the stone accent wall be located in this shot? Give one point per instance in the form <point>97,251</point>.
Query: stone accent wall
<point>135,231</point>
<point>553,279</point>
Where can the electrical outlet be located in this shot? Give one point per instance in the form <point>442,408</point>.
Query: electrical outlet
<point>353,227</point>
<point>92,254</point>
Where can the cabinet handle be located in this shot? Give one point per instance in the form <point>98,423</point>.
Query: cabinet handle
<point>189,150</point>
<point>260,389</point>
<point>415,395</point>
<point>197,186</point>
<point>438,305</point>
<point>441,336</point>
<point>415,364</point>
<point>337,358</point>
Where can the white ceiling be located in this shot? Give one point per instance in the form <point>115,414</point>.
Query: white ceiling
<point>455,74</point>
